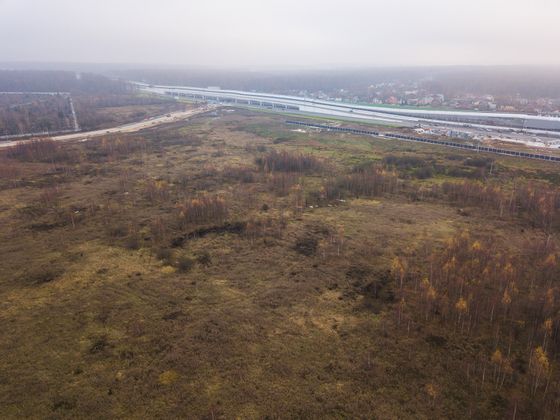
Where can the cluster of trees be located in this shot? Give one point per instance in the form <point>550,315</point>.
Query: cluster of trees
<point>281,183</point>
<point>243,174</point>
<point>540,203</point>
<point>99,149</point>
<point>41,150</point>
<point>285,161</point>
<point>202,209</point>
<point>410,166</point>
<point>157,191</point>
<point>38,114</point>
<point>265,227</point>
<point>509,304</point>
<point>34,150</point>
<point>113,148</point>
<point>371,181</point>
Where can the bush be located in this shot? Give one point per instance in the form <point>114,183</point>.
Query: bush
<point>306,245</point>
<point>479,162</point>
<point>204,259</point>
<point>184,263</point>
<point>118,231</point>
<point>406,162</point>
<point>157,191</point>
<point>423,173</point>
<point>164,254</point>
<point>239,173</point>
<point>132,242</point>
<point>44,274</point>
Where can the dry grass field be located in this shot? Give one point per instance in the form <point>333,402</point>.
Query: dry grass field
<point>231,267</point>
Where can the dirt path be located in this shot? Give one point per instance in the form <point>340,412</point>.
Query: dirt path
<point>126,128</point>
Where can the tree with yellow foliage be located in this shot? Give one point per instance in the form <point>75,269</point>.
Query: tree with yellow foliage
<point>547,327</point>
<point>461,306</point>
<point>398,267</point>
<point>432,392</point>
<point>429,294</point>
<point>539,366</point>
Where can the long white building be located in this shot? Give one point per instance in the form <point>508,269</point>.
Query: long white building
<point>404,116</point>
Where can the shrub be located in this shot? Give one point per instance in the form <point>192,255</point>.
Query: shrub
<point>479,162</point>
<point>99,345</point>
<point>164,254</point>
<point>184,263</point>
<point>204,259</point>
<point>239,173</point>
<point>118,231</point>
<point>44,274</point>
<point>156,191</point>
<point>306,245</point>
<point>50,197</point>
<point>132,242</point>
<point>423,173</point>
<point>406,162</point>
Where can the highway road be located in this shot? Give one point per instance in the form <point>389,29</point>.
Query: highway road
<point>126,128</point>
<point>534,124</point>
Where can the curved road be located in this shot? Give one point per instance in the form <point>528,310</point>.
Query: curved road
<point>126,128</point>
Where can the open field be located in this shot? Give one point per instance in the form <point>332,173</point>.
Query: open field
<point>233,267</point>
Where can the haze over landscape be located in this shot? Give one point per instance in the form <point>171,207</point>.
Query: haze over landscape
<point>281,34</point>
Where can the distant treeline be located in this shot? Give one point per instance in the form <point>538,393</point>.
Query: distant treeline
<point>529,82</point>
<point>59,81</point>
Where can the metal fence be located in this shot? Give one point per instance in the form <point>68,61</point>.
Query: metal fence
<point>464,146</point>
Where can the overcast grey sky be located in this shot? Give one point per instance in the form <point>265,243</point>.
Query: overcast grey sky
<point>287,33</point>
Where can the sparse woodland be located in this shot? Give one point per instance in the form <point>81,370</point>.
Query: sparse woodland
<point>99,102</point>
<point>207,268</point>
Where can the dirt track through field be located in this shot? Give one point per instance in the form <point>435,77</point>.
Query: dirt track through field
<point>126,128</point>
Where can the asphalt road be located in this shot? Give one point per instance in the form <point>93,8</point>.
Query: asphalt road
<point>126,128</point>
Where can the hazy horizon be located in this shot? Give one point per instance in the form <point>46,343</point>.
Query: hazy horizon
<point>285,35</point>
